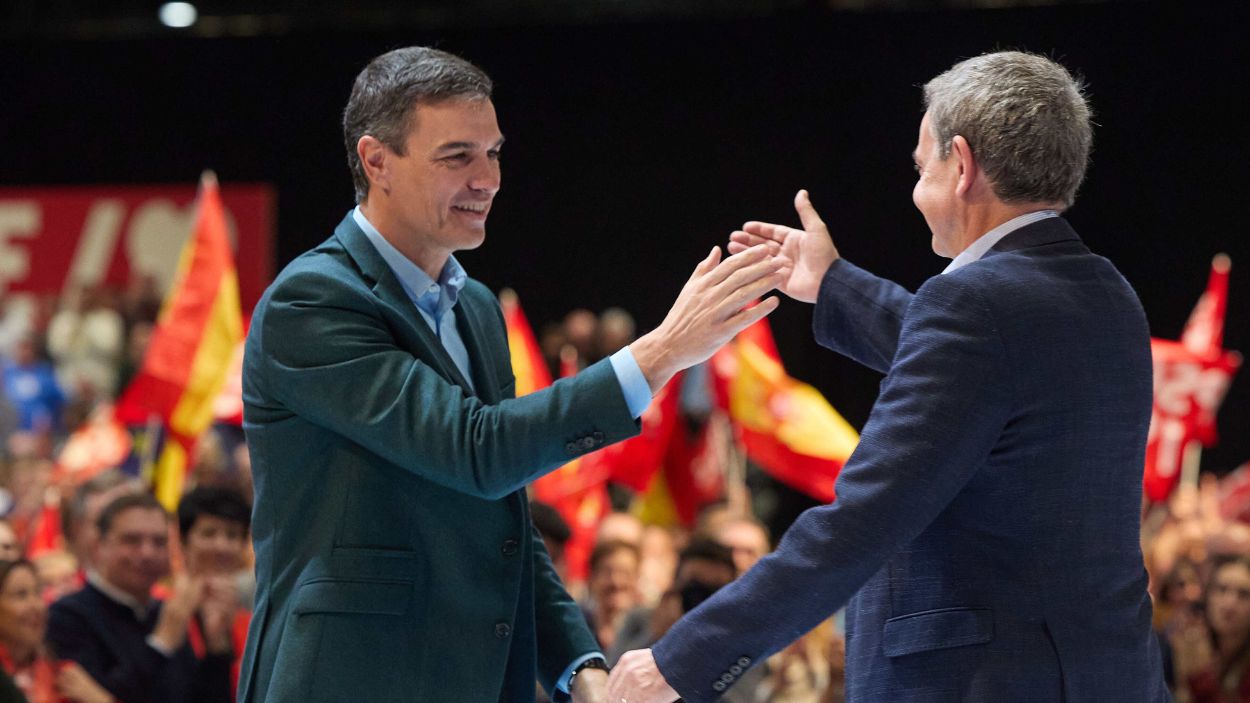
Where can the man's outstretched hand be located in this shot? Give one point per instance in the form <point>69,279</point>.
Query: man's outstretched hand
<point>636,679</point>
<point>807,253</point>
<point>711,308</point>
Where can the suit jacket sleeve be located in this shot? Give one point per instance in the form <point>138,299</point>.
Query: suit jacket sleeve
<point>941,409</point>
<point>328,355</point>
<point>859,315</point>
<point>563,635</point>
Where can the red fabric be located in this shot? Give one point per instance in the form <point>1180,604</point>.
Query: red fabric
<point>36,681</point>
<point>238,640</point>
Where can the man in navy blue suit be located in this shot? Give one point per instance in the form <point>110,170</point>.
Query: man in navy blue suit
<point>985,534</point>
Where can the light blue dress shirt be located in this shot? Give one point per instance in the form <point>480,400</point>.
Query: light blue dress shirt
<point>987,241</point>
<point>436,301</point>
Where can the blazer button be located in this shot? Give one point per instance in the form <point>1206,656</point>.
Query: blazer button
<point>735,670</point>
<point>510,547</point>
<point>502,630</point>
<point>598,436</point>
<point>570,448</point>
<point>587,443</point>
<point>719,686</point>
<point>744,661</point>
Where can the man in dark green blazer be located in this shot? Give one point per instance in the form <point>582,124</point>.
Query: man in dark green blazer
<point>395,557</point>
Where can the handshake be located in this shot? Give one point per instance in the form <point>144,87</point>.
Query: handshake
<point>714,305</point>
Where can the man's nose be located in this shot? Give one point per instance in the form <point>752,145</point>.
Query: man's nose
<point>486,177</point>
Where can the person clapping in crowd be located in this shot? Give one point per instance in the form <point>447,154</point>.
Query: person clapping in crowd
<point>134,645</point>
<point>1211,652</point>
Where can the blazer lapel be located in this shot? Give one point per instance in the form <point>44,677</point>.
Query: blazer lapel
<point>421,339</point>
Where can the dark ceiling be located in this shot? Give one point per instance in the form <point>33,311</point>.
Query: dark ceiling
<point>127,19</point>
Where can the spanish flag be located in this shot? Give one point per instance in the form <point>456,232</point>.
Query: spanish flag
<point>195,338</point>
<point>785,426</point>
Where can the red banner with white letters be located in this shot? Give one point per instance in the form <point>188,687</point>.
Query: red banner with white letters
<point>55,238</point>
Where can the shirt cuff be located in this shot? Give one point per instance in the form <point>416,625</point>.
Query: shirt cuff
<point>633,384</point>
<point>563,684</point>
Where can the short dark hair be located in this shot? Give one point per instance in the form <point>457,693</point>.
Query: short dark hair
<point>707,549</point>
<point>217,501</point>
<point>389,89</point>
<point>75,509</point>
<point>121,504</point>
<point>603,550</point>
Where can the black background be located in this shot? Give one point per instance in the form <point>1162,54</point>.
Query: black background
<point>635,146</point>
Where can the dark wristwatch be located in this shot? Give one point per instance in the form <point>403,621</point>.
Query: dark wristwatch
<point>596,663</point>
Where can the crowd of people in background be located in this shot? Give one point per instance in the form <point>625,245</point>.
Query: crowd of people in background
<point>107,596</point>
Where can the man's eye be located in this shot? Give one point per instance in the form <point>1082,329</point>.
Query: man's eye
<point>917,167</point>
<point>456,158</point>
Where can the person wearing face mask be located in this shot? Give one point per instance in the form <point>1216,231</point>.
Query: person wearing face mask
<point>28,674</point>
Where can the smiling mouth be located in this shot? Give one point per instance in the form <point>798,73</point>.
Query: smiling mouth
<point>472,208</point>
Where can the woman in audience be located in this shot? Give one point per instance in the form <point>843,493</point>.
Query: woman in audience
<point>1211,651</point>
<point>28,674</point>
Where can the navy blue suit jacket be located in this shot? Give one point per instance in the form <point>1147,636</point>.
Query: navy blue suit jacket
<point>985,532</point>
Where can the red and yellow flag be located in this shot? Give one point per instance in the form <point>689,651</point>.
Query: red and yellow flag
<point>191,348</point>
<point>785,426</point>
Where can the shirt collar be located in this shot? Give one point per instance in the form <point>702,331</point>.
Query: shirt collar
<point>119,596</point>
<point>432,297</point>
<point>987,241</point>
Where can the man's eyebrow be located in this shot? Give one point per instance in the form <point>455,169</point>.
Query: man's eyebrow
<point>455,146</point>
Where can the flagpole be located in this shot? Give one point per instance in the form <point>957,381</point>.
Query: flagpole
<point>1190,460</point>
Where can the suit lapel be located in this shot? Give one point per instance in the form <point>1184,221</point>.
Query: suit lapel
<point>417,335</point>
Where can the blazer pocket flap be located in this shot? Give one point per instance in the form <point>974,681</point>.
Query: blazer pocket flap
<point>348,596</point>
<point>937,629</point>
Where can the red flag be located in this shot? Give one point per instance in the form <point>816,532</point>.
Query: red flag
<point>1190,380</point>
<point>189,355</point>
<point>785,426</point>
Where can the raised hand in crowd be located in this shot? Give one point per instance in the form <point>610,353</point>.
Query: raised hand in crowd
<point>187,596</point>
<point>217,609</point>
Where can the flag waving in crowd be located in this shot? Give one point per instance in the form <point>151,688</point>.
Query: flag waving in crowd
<point>1190,379</point>
<point>187,360</point>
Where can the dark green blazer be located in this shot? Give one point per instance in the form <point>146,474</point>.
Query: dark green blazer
<point>395,557</point>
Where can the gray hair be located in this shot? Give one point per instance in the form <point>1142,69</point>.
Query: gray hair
<point>1024,116</point>
<point>388,90</point>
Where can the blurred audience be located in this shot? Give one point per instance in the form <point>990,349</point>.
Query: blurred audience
<point>613,589</point>
<point>28,673</point>
<point>1211,646</point>
<point>213,526</point>
<point>134,645</point>
<point>30,384</point>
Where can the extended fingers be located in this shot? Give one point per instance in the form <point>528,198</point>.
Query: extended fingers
<point>767,230</point>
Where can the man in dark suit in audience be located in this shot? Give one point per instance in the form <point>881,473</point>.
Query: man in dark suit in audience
<point>132,644</point>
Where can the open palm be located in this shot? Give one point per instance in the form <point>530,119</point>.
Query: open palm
<point>809,251</point>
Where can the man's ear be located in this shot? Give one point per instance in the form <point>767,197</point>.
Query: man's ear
<point>969,170</point>
<point>372,154</point>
